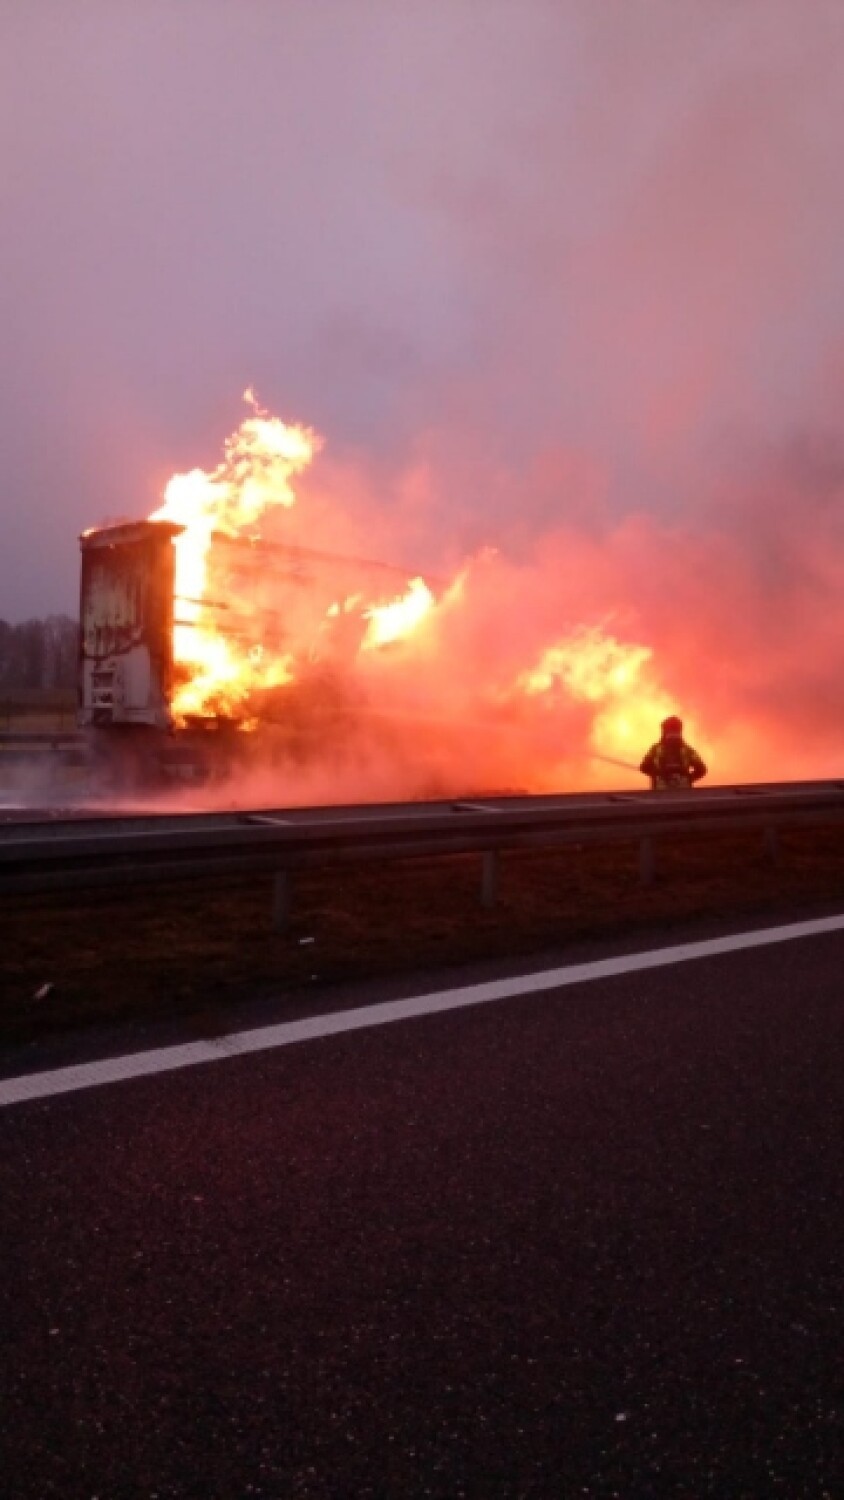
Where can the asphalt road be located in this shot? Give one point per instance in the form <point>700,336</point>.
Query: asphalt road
<point>580,1244</point>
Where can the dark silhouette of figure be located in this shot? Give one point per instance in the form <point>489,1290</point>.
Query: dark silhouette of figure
<point>671,762</point>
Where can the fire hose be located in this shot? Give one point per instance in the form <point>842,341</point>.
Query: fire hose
<point>611,760</point>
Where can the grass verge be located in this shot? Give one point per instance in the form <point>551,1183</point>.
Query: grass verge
<point>77,958</point>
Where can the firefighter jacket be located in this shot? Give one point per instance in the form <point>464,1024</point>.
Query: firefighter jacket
<point>672,763</point>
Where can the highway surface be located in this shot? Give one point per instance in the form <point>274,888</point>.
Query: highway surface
<point>579,1242</point>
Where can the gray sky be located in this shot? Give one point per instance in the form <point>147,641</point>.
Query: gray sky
<point>580,258</point>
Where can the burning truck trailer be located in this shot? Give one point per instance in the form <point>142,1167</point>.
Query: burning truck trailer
<point>274,602</point>
<point>126,661</point>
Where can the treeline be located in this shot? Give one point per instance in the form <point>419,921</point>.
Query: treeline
<point>39,653</point>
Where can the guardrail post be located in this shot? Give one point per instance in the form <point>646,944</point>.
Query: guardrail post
<point>772,844</point>
<point>281,900</point>
<point>489,878</point>
<point>647,861</point>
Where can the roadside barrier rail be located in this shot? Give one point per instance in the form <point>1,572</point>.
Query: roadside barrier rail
<point>72,852</point>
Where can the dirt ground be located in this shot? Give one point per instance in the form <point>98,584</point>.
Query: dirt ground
<point>73,959</point>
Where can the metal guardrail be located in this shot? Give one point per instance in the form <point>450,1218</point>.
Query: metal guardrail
<point>108,850</point>
<point>56,738</point>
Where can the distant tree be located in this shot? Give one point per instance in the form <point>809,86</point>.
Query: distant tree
<point>39,653</point>
<point>6,634</point>
<point>61,651</point>
<point>31,638</point>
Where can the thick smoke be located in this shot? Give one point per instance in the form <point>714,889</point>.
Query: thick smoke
<point>562,287</point>
<point>551,667</point>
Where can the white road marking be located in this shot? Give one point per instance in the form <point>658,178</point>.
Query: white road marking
<point>166,1059</point>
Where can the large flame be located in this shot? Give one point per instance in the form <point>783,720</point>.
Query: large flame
<point>613,676</point>
<point>260,459</point>
<point>452,669</point>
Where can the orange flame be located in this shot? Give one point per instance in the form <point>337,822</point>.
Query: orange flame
<point>394,621</point>
<point>260,460</point>
<point>614,676</point>
<point>234,638</point>
<point>590,665</point>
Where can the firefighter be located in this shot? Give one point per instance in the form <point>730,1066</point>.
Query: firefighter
<point>671,762</point>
